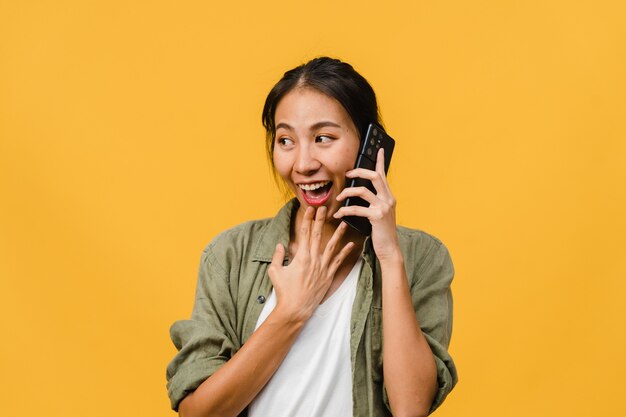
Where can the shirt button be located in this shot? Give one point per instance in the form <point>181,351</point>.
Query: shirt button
<point>260,299</point>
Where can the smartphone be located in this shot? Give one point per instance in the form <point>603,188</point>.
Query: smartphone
<point>375,138</point>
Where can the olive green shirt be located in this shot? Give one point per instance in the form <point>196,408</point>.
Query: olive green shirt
<point>233,284</point>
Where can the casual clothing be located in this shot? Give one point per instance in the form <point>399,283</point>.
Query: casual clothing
<point>233,283</point>
<point>315,378</point>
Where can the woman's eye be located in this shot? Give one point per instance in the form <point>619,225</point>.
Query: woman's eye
<point>285,141</point>
<point>323,139</point>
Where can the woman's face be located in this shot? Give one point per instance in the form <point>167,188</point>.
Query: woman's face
<point>316,143</point>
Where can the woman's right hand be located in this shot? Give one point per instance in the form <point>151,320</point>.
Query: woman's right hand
<point>301,285</point>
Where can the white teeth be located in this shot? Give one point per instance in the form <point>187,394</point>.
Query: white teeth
<point>315,186</point>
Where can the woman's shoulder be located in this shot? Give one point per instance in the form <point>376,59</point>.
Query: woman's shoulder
<point>421,250</point>
<point>417,238</point>
<point>240,236</point>
<point>254,240</point>
<point>233,247</point>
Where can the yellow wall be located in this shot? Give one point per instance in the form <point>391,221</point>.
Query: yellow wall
<point>130,135</point>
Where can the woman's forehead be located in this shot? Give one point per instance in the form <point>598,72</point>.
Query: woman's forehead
<point>309,107</point>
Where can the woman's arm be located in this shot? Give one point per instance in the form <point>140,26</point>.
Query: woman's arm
<point>409,369</point>
<point>299,287</point>
<point>229,390</point>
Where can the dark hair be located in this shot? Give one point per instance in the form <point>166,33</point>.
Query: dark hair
<point>329,76</point>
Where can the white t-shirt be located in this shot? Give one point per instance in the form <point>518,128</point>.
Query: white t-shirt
<point>315,378</point>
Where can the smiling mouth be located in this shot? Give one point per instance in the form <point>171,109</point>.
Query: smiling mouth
<point>317,193</point>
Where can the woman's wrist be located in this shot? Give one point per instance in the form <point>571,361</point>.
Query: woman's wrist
<point>287,318</point>
<point>391,258</point>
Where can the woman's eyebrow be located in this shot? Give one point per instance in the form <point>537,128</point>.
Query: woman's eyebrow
<point>319,125</point>
<point>284,126</point>
<point>315,126</point>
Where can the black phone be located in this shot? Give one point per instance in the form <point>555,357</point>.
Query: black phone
<point>375,138</point>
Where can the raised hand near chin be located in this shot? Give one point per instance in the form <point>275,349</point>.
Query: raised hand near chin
<point>301,285</point>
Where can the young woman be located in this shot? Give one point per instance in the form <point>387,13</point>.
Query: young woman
<point>291,312</point>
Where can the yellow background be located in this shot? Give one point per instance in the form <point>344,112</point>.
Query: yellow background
<point>130,135</point>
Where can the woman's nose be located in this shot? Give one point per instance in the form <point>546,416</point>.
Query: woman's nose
<point>306,163</point>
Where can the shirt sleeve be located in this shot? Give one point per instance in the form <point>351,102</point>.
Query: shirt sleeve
<point>208,339</point>
<point>432,301</point>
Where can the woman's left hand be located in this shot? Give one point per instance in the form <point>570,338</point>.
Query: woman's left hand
<point>382,209</point>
